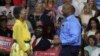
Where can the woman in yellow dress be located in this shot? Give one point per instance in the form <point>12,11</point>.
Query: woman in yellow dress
<point>21,34</point>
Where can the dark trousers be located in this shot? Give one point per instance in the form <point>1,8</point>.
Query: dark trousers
<point>69,50</point>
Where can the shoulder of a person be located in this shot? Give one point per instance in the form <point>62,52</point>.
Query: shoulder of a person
<point>17,24</point>
<point>96,52</point>
<point>2,7</point>
<point>12,7</point>
<point>71,17</point>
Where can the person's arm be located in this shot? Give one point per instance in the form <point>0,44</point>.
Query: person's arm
<point>19,38</point>
<point>75,32</point>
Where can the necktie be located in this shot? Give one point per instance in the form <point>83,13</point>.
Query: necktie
<point>34,43</point>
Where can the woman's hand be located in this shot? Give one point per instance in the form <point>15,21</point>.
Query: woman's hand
<point>29,53</point>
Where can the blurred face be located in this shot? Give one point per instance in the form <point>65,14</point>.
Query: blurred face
<point>93,24</point>
<point>38,8</point>
<point>8,1</point>
<point>91,2</point>
<point>23,14</point>
<point>38,32</point>
<point>87,9</point>
<point>91,42</point>
<point>3,24</point>
<point>98,36</point>
<point>39,23</point>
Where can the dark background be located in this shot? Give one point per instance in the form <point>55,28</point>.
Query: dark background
<point>2,2</point>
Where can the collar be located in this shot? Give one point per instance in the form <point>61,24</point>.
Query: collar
<point>69,17</point>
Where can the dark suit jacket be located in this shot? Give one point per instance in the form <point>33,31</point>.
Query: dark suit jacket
<point>6,33</point>
<point>43,45</point>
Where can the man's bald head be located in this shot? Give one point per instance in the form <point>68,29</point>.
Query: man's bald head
<point>68,9</point>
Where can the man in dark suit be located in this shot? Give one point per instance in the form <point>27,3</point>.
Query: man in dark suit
<point>40,42</point>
